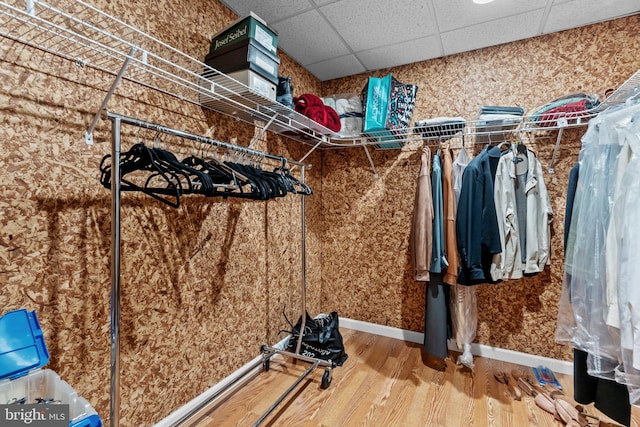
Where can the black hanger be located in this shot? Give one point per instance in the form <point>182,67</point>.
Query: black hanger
<point>246,186</point>
<point>158,173</point>
<point>519,149</point>
<point>219,178</point>
<point>295,185</point>
<point>162,184</point>
<point>195,181</point>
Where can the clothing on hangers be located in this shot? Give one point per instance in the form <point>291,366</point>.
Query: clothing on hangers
<point>585,260</point>
<point>421,239</point>
<point>629,150</point>
<point>459,164</point>
<point>449,217</point>
<point>438,256</point>
<point>463,300</point>
<point>436,300</point>
<point>477,232</point>
<point>623,294</point>
<point>524,215</point>
<point>521,163</point>
<point>607,395</point>
<point>598,311</point>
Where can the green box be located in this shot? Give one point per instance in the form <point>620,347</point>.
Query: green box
<point>250,27</point>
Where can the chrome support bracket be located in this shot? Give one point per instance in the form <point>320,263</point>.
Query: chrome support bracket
<point>112,89</point>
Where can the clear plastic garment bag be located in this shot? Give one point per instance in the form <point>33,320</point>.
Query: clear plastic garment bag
<point>598,311</point>
<point>464,305</point>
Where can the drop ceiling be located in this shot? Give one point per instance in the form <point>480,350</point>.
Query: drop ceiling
<point>337,38</point>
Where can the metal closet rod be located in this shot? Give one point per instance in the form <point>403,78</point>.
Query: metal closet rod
<point>117,120</point>
<point>198,138</point>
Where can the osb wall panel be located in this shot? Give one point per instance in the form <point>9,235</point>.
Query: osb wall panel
<point>203,286</point>
<point>366,256</point>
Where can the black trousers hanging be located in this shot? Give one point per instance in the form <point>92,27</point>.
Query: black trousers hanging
<point>436,317</point>
<point>610,397</point>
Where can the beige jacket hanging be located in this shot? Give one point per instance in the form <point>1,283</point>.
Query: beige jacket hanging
<point>509,264</point>
<point>422,220</point>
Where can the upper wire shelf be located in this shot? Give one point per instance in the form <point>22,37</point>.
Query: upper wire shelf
<point>487,131</point>
<point>89,37</point>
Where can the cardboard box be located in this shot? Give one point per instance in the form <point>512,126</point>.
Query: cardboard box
<point>250,79</point>
<point>249,89</point>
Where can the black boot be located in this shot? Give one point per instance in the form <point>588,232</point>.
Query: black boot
<point>284,93</point>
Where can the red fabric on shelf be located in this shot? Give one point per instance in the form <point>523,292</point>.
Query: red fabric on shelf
<point>568,111</point>
<point>324,115</point>
<point>312,106</point>
<point>305,101</point>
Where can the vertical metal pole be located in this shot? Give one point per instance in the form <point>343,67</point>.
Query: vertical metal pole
<point>304,268</point>
<point>115,274</point>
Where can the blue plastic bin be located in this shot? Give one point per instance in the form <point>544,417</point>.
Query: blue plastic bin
<point>23,353</point>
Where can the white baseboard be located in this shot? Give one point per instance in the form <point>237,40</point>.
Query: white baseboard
<point>525,359</point>
<point>489,352</point>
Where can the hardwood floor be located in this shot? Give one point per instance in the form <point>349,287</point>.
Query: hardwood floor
<point>384,382</point>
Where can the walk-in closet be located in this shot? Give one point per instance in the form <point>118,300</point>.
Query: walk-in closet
<point>168,217</point>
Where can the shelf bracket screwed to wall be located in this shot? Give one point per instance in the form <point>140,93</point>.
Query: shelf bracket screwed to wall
<point>112,89</point>
<point>262,131</point>
<point>562,123</point>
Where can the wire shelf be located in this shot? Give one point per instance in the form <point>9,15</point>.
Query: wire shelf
<point>89,37</point>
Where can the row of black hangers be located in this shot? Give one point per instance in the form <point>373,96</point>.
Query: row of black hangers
<point>158,172</point>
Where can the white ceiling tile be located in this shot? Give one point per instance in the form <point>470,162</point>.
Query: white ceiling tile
<point>400,54</point>
<point>336,67</point>
<point>367,24</point>
<point>308,38</point>
<point>576,13</point>
<point>269,10</point>
<point>453,14</point>
<point>492,33</point>
<point>332,38</point>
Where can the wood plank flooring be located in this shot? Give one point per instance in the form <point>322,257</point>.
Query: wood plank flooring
<point>384,383</point>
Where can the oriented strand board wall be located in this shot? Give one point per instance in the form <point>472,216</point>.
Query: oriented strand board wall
<point>203,286</point>
<point>366,259</point>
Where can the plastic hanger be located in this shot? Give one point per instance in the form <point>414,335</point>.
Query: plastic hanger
<point>160,183</point>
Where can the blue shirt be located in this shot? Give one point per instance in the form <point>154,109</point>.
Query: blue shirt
<point>438,256</point>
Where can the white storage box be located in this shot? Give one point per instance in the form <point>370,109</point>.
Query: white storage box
<point>244,87</point>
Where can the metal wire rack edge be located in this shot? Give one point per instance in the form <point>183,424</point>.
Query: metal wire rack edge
<point>81,33</point>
